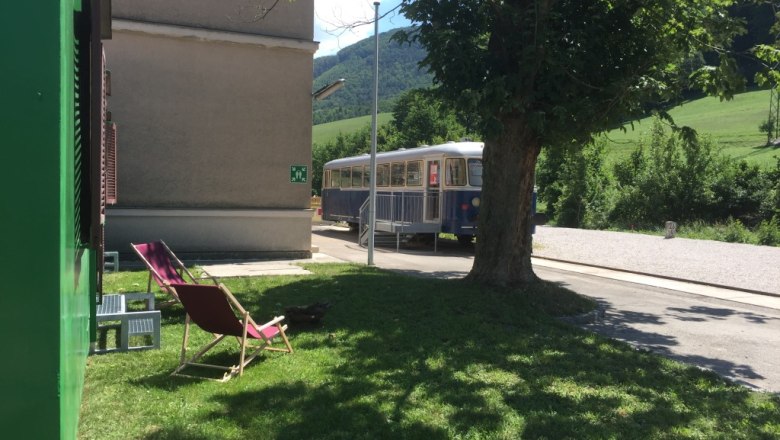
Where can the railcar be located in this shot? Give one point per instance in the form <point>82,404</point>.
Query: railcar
<point>428,189</point>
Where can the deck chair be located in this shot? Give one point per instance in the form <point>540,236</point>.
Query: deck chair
<point>215,310</point>
<point>164,267</point>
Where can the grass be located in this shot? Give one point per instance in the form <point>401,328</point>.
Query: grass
<point>322,133</point>
<point>403,357</point>
<point>732,124</point>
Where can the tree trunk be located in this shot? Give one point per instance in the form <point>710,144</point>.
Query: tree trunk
<point>503,251</point>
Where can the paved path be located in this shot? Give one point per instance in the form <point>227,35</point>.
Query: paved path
<point>730,264</point>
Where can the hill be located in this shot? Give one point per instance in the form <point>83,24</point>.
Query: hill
<point>328,131</point>
<point>732,124</point>
<point>398,72</point>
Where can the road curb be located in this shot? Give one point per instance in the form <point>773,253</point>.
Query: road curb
<point>664,277</point>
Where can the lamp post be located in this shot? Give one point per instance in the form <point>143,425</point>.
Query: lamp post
<point>372,190</point>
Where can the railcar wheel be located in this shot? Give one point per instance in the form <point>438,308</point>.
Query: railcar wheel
<point>426,239</point>
<point>465,240</point>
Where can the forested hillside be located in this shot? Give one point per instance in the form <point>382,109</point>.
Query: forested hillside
<point>398,72</point>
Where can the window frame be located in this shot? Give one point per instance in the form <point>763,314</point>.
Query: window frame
<point>419,179</point>
<point>448,178</point>
<point>360,170</point>
<point>366,176</point>
<point>395,181</point>
<point>383,175</point>
<point>469,161</point>
<point>345,177</point>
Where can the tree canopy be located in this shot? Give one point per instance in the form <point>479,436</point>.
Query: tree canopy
<point>549,73</point>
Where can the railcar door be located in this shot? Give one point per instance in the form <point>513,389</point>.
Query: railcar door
<point>432,205</point>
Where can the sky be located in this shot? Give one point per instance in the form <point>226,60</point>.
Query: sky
<point>332,20</point>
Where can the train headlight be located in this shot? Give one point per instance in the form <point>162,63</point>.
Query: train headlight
<point>475,202</point>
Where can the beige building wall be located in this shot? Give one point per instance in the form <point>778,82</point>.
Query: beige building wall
<point>289,19</point>
<point>212,113</point>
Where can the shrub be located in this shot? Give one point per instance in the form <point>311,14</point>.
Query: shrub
<point>768,232</point>
<point>736,232</point>
<point>679,177</point>
<point>741,191</point>
<point>668,178</point>
<point>577,186</point>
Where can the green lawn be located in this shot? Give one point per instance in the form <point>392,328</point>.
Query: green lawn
<point>733,124</point>
<point>403,357</point>
<point>322,133</point>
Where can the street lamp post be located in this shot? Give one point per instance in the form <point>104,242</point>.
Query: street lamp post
<point>328,89</point>
<point>372,190</point>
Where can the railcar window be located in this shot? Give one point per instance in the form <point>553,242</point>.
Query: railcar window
<point>414,173</point>
<point>366,177</point>
<point>383,174</point>
<point>335,178</point>
<point>357,177</point>
<point>326,179</point>
<point>346,180</point>
<point>456,172</point>
<point>398,174</point>
<point>475,172</point>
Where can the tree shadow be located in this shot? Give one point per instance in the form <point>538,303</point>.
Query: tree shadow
<point>444,359</point>
<point>619,325</point>
<point>703,313</point>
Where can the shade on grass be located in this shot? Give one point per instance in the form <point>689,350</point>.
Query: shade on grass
<point>402,357</point>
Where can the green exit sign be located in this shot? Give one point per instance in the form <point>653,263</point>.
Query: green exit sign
<point>299,174</point>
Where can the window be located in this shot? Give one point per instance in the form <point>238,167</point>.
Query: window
<point>398,174</point>
<point>335,179</point>
<point>475,172</point>
<point>455,172</point>
<point>357,176</point>
<point>366,176</point>
<point>383,174</point>
<point>326,179</point>
<point>413,173</point>
<point>346,180</point>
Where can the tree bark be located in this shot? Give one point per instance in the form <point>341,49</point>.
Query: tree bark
<point>503,250</point>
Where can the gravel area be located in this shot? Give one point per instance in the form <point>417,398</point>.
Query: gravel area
<point>736,265</point>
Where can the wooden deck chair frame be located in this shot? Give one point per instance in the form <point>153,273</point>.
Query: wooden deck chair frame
<point>182,269</point>
<point>243,342</point>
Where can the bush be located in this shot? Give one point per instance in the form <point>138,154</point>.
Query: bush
<point>679,177</point>
<point>768,232</point>
<point>736,232</point>
<point>742,191</point>
<point>575,186</point>
<point>669,178</point>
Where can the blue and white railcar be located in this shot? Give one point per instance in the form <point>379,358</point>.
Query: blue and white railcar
<point>442,182</point>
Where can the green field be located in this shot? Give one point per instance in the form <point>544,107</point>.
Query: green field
<point>323,133</point>
<point>732,124</point>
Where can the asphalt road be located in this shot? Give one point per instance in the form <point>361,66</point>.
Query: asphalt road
<point>738,341</point>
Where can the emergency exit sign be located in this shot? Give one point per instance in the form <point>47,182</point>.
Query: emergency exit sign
<point>299,174</point>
